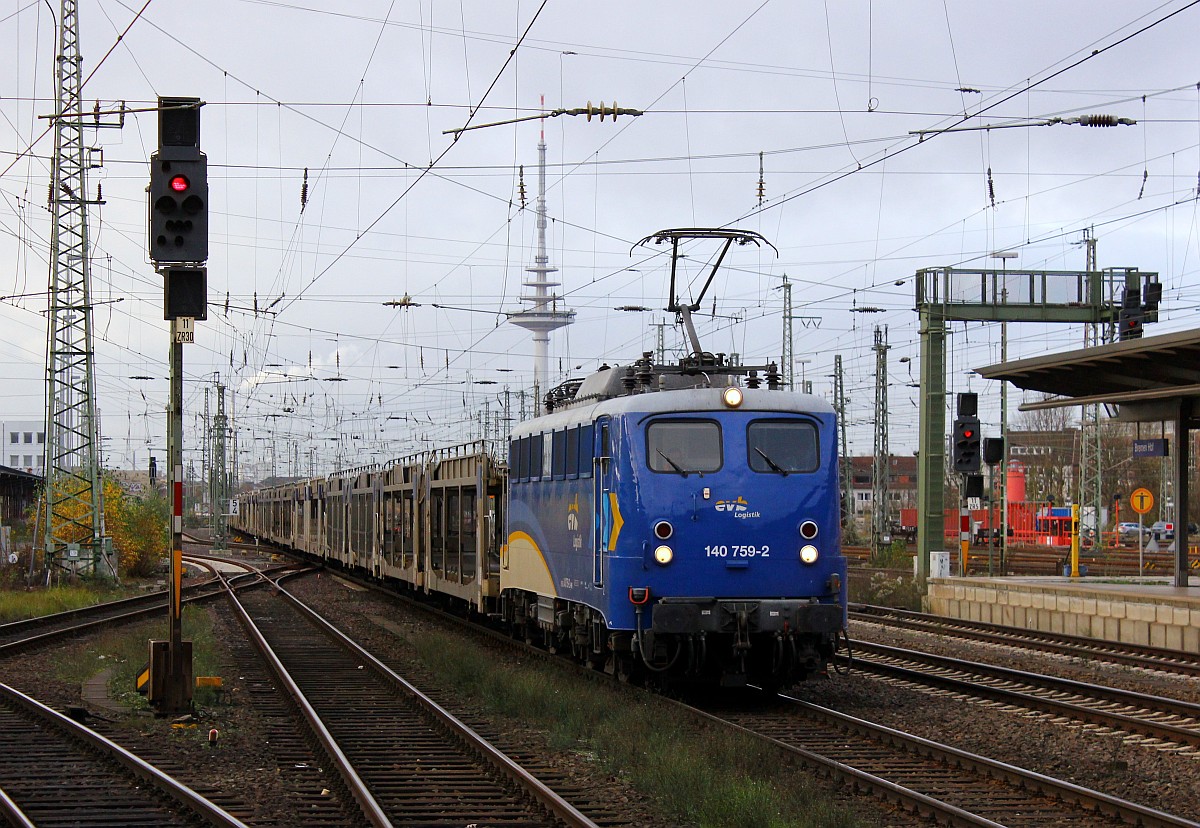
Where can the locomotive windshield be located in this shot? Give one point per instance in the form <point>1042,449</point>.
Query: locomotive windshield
<point>683,446</point>
<point>782,446</point>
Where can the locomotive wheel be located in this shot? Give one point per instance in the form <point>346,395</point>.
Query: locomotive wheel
<point>626,669</point>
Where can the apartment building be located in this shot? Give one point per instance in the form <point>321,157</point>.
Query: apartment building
<point>24,445</point>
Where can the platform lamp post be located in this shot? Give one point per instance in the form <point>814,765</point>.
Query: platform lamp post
<point>805,388</point>
<point>1004,256</point>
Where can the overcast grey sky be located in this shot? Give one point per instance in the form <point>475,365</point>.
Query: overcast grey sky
<point>359,95</point>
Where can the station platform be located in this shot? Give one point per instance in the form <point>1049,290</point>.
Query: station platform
<point>1146,611</point>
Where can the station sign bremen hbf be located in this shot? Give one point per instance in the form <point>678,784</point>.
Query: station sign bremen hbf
<point>1150,448</point>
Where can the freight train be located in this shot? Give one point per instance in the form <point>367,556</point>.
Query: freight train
<point>652,522</point>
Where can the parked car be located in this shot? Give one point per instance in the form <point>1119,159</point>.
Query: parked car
<point>1163,530</point>
<point>1128,532</point>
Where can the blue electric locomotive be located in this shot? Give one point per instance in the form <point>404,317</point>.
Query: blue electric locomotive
<point>689,532</point>
<point>661,522</point>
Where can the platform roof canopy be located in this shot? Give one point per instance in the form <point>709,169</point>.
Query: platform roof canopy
<point>1152,379</point>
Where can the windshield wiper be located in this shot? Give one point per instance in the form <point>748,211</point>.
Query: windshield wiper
<point>771,462</point>
<point>674,465</point>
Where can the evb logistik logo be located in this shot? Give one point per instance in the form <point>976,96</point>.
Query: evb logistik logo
<point>740,508</point>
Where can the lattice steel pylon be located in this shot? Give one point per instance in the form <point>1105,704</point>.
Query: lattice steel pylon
<point>880,518</point>
<point>218,480</point>
<point>73,499</point>
<point>844,471</point>
<point>1091,463</point>
<point>789,345</point>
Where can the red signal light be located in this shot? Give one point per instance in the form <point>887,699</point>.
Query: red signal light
<point>968,433</point>
<point>179,183</point>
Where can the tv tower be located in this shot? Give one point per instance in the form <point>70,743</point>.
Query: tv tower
<point>543,314</point>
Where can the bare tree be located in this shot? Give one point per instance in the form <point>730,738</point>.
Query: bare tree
<point>1046,444</point>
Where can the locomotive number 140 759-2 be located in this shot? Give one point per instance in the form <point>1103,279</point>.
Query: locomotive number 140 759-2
<point>735,551</point>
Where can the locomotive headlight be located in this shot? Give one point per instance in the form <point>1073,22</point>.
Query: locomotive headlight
<point>732,396</point>
<point>809,554</point>
<point>663,554</point>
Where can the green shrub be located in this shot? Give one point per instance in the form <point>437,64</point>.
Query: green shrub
<point>894,556</point>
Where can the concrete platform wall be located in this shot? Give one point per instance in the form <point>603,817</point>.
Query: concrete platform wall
<point>1075,609</point>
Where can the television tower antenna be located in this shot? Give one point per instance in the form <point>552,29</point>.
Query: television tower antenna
<point>543,314</point>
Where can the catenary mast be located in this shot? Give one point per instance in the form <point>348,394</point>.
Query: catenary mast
<point>72,496</point>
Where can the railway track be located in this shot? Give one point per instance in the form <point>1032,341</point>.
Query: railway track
<point>1133,655</point>
<point>935,781</point>
<point>47,629</point>
<point>1163,723</point>
<point>47,755</point>
<point>930,780</point>
<point>403,759</point>
<point>18,636</point>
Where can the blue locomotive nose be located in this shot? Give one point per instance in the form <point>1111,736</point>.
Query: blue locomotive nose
<point>765,545</point>
<point>737,540</point>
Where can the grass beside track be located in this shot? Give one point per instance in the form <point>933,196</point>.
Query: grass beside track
<point>19,604</point>
<point>706,776</point>
<point>124,652</point>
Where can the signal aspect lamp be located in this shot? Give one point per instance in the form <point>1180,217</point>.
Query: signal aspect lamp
<point>178,210</point>
<point>966,445</point>
<point>1130,321</point>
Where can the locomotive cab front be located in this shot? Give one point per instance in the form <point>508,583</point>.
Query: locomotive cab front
<point>735,571</point>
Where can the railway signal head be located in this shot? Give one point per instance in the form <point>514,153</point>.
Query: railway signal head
<point>993,450</point>
<point>178,210</point>
<point>966,445</point>
<point>1130,322</point>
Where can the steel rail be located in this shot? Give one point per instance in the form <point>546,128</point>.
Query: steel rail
<point>8,648</point>
<point>1101,692</point>
<point>1031,700</point>
<point>544,795</point>
<point>1134,655</point>
<point>1130,812</point>
<point>890,791</point>
<point>13,813</point>
<point>912,799</point>
<point>372,811</point>
<point>144,770</point>
<point>900,794</point>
